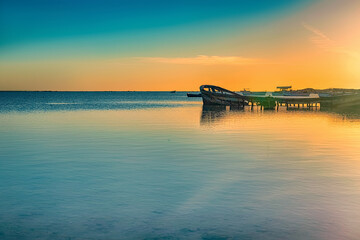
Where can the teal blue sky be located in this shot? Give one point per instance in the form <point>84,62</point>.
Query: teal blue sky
<point>167,45</point>
<point>65,28</point>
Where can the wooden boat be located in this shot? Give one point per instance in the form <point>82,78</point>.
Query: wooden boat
<point>194,94</point>
<point>214,95</point>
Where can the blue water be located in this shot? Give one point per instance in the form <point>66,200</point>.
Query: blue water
<point>156,165</point>
<point>44,101</point>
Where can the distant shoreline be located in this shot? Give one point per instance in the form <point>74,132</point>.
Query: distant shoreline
<point>304,90</point>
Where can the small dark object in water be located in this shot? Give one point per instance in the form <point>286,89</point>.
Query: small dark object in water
<point>194,94</point>
<point>173,91</point>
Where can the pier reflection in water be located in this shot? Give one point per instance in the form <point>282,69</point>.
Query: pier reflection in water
<point>214,114</point>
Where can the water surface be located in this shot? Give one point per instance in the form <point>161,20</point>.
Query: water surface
<point>145,165</point>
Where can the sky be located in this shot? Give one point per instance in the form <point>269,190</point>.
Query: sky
<point>154,45</point>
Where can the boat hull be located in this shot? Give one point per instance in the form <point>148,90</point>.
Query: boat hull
<point>213,95</point>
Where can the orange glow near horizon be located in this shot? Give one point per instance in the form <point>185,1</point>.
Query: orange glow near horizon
<point>315,47</point>
<point>124,75</point>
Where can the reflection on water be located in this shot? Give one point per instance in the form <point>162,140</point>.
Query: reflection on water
<point>215,114</point>
<point>212,114</point>
<point>350,114</point>
<point>182,172</point>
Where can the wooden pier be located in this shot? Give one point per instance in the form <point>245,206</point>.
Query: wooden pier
<point>214,95</point>
<point>275,104</point>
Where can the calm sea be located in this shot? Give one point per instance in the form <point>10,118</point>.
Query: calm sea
<point>156,165</point>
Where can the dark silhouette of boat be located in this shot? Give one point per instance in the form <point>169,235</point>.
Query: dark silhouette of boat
<point>173,91</point>
<point>214,95</point>
<point>194,94</point>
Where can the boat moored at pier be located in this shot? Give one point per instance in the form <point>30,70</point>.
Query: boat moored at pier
<point>214,95</point>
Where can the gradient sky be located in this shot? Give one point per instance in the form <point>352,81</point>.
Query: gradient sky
<point>168,45</point>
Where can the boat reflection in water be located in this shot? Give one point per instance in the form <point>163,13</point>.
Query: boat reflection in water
<point>212,113</point>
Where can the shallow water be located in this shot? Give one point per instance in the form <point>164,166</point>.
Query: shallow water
<point>121,165</point>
